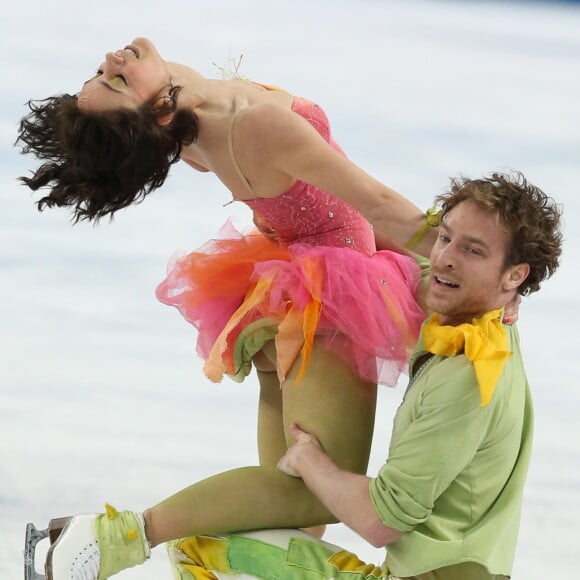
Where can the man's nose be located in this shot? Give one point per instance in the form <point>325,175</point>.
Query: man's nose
<point>445,256</point>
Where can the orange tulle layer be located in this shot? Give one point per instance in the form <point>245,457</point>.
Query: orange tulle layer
<point>243,290</point>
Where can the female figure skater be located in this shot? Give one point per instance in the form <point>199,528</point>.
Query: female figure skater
<point>306,299</point>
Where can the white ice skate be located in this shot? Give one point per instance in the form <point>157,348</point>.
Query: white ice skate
<point>77,541</point>
<point>73,553</point>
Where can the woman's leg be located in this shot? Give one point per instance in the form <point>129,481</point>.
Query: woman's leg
<point>271,434</point>
<point>332,403</point>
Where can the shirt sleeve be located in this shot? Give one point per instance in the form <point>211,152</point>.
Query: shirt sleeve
<point>445,428</point>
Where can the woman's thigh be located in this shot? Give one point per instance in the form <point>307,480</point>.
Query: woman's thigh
<point>335,405</point>
<point>330,401</point>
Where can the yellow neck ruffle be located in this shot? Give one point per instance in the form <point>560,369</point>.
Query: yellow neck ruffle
<point>484,342</point>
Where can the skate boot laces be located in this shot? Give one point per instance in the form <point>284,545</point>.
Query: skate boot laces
<point>85,565</point>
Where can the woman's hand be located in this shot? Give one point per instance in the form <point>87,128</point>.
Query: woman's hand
<point>512,310</point>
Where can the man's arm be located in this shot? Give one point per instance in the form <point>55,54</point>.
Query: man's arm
<point>345,494</point>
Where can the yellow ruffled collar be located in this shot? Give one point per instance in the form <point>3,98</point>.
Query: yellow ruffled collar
<point>484,342</point>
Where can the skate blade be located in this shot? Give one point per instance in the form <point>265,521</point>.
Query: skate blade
<point>33,536</point>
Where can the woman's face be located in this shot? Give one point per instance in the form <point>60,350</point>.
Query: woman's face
<point>127,79</point>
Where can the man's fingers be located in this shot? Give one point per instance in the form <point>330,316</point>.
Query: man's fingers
<point>284,467</point>
<point>295,431</point>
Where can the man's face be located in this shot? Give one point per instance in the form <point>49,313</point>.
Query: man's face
<point>468,276</point>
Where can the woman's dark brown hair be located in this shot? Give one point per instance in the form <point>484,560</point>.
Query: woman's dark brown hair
<point>98,163</point>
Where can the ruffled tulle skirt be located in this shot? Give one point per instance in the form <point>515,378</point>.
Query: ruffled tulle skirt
<point>240,291</point>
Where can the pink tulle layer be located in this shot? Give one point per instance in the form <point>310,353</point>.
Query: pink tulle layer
<point>363,306</point>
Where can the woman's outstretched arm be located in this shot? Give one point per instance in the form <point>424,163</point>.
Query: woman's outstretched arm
<point>284,142</point>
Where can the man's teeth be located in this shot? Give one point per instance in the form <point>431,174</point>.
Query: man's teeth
<point>446,282</point>
<point>128,49</point>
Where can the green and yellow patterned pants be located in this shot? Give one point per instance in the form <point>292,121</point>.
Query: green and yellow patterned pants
<point>287,555</point>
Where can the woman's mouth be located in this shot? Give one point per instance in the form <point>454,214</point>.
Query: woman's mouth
<point>132,49</point>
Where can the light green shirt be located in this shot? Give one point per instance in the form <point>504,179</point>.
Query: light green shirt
<point>455,474</point>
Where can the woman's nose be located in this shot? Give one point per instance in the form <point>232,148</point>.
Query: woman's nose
<point>114,60</point>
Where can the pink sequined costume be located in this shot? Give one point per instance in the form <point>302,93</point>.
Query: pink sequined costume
<point>317,273</point>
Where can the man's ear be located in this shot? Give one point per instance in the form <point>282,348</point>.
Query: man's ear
<point>515,275</point>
